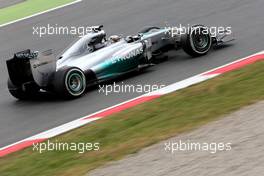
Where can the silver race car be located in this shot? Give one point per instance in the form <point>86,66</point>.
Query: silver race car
<point>94,59</point>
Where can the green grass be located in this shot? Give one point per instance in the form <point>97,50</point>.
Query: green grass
<point>131,130</point>
<point>27,8</point>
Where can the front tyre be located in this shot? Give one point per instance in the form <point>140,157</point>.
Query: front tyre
<point>197,41</point>
<point>70,82</point>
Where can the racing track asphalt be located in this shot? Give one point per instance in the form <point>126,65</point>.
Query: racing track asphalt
<point>21,119</point>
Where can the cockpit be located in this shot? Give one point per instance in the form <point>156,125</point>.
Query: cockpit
<point>87,44</point>
<point>93,42</point>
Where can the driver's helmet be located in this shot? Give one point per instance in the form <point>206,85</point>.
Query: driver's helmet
<point>129,39</point>
<point>114,38</point>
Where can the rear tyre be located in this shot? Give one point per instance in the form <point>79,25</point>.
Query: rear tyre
<point>70,82</point>
<point>19,93</point>
<point>197,41</point>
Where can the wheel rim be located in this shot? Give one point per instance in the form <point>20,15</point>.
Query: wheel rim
<point>75,82</point>
<point>201,41</point>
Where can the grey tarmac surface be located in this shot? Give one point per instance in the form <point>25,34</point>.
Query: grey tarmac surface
<point>20,119</point>
<point>243,129</point>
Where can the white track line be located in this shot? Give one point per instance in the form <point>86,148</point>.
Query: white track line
<point>40,13</point>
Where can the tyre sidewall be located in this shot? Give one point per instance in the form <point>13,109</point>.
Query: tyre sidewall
<point>61,82</point>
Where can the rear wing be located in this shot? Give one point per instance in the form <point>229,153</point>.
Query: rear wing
<point>27,66</point>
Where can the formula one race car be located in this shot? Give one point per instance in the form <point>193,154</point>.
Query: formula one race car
<point>94,59</point>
